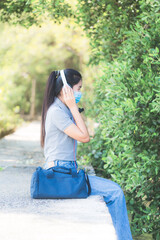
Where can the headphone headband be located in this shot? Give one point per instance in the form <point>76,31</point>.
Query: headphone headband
<point>63,77</point>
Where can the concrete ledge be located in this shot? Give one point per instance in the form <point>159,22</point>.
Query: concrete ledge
<point>24,218</point>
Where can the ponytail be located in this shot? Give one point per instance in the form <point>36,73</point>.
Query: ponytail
<point>49,96</point>
<point>53,88</point>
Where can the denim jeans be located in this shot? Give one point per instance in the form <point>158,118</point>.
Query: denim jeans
<point>113,197</point>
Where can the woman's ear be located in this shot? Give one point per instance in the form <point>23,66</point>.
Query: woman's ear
<point>69,85</point>
<point>61,93</point>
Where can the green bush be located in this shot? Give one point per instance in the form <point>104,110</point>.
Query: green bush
<point>9,121</point>
<point>126,143</point>
<point>125,146</point>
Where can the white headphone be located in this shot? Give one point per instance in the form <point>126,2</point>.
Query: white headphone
<point>63,78</point>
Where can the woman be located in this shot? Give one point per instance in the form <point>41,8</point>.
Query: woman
<point>61,127</point>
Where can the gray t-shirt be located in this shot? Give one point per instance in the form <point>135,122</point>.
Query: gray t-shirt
<point>57,144</point>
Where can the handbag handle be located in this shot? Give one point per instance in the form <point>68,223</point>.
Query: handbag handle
<point>61,169</point>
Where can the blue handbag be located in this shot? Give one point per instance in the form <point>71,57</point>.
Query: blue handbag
<point>59,182</point>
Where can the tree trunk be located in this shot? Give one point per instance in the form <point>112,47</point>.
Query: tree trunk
<point>33,99</point>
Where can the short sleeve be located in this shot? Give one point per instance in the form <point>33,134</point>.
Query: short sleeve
<point>61,119</point>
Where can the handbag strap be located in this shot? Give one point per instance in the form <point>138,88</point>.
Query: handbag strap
<point>87,179</point>
<point>88,183</point>
<point>74,152</point>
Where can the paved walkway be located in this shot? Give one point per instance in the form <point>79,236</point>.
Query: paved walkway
<point>24,218</point>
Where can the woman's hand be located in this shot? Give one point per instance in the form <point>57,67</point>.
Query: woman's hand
<point>68,96</point>
<point>79,130</point>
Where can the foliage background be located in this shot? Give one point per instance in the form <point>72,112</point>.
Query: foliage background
<point>125,148</point>
<point>25,52</point>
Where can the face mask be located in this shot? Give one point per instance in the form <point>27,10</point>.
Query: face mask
<point>77,96</point>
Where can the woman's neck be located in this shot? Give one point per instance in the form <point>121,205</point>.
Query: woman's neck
<point>61,99</point>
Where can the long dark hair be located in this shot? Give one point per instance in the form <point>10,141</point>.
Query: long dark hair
<point>53,88</point>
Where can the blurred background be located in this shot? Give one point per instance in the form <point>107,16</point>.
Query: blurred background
<point>28,56</point>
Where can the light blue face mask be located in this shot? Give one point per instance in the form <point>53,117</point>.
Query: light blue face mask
<point>77,96</point>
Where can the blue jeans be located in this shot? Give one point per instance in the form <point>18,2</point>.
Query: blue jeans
<point>113,197</point>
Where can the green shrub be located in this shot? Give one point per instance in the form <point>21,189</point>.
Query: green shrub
<point>125,146</point>
<point>8,123</point>
<point>126,143</point>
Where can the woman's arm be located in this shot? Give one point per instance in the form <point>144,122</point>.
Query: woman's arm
<point>78,131</point>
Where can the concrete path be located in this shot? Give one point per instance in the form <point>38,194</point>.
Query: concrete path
<point>23,218</point>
